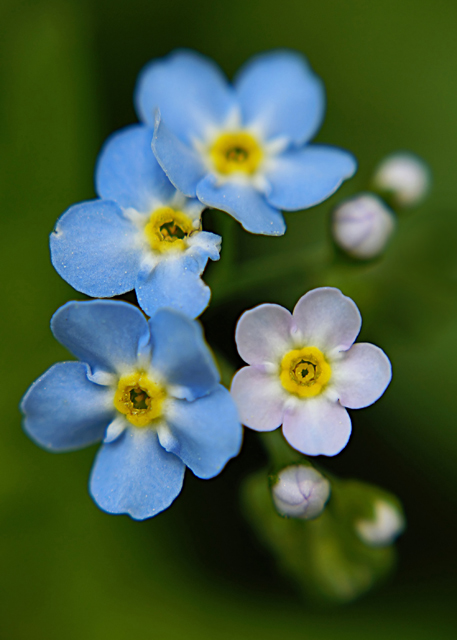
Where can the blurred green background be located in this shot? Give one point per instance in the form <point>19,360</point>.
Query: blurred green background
<point>67,570</point>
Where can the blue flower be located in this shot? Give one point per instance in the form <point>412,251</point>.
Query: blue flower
<point>149,390</point>
<point>142,234</point>
<point>242,149</point>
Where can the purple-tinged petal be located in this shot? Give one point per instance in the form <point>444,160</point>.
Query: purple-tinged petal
<point>135,475</point>
<point>361,376</point>
<point>244,203</point>
<point>259,398</point>
<point>263,333</point>
<point>65,411</point>
<point>317,426</point>
<point>327,319</point>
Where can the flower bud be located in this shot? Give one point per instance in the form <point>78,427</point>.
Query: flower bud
<point>300,492</point>
<point>404,177</point>
<point>387,524</point>
<point>362,226</point>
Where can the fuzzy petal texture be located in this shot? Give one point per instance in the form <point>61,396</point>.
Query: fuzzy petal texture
<point>327,319</point>
<point>259,398</point>
<point>205,433</point>
<point>174,283</point>
<point>263,333</point>
<point>107,334</point>
<point>280,95</point>
<point>303,178</point>
<point>181,355</point>
<point>135,475</point>
<point>64,410</point>
<point>317,426</point>
<point>95,249</point>
<point>244,203</point>
<point>361,376</point>
<point>189,89</point>
<point>183,166</point>
<point>128,173</point>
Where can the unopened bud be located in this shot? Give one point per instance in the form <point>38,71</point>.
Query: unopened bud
<point>387,524</point>
<point>300,492</point>
<point>404,178</point>
<point>362,226</point>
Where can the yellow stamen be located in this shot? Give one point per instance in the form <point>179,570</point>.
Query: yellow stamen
<point>236,152</point>
<point>168,229</point>
<point>305,372</point>
<point>139,399</point>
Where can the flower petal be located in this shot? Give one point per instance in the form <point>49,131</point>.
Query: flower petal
<point>128,173</point>
<point>361,376</point>
<point>95,249</point>
<point>263,333</point>
<point>182,355</point>
<point>259,398</point>
<point>135,475</point>
<point>189,89</point>
<point>64,410</point>
<point>327,319</point>
<point>317,426</point>
<point>280,94</point>
<point>174,283</point>
<point>183,166</point>
<point>244,203</point>
<point>205,433</point>
<point>107,334</point>
<point>204,245</point>
<point>303,178</point>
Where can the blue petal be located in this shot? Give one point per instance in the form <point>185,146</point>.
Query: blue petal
<point>182,355</point>
<point>64,410</point>
<point>204,245</point>
<point>95,249</point>
<point>280,93</point>
<point>205,433</point>
<point>174,283</point>
<point>190,91</point>
<point>302,179</point>
<point>107,334</point>
<point>128,173</point>
<point>244,203</point>
<point>135,475</point>
<point>182,164</point>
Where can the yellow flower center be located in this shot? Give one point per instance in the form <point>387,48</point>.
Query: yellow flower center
<point>236,152</point>
<point>305,372</point>
<point>139,399</point>
<point>168,229</point>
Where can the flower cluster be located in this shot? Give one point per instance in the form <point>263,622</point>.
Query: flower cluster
<point>145,383</point>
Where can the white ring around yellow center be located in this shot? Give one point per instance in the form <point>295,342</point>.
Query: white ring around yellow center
<point>305,372</point>
<point>236,152</point>
<point>139,399</point>
<point>168,229</point>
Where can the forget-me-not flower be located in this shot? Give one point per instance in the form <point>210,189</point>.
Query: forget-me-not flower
<point>304,370</point>
<point>149,389</point>
<point>242,148</point>
<point>141,234</point>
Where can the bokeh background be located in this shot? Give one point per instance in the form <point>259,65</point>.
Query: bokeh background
<point>67,570</point>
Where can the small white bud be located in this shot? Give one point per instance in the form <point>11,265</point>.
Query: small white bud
<point>301,492</point>
<point>405,177</point>
<point>387,524</point>
<point>362,226</point>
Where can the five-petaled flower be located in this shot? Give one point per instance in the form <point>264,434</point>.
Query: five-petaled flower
<point>304,370</point>
<point>149,390</point>
<point>141,234</point>
<point>242,148</point>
